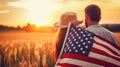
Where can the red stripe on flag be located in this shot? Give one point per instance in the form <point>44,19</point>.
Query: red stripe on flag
<point>112,51</point>
<point>95,50</point>
<point>112,44</point>
<point>88,59</point>
<point>67,65</point>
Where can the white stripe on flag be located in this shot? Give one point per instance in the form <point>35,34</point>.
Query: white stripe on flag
<point>105,50</point>
<point>107,44</point>
<point>57,66</point>
<point>79,62</point>
<point>104,58</point>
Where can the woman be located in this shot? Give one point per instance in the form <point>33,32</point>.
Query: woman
<point>59,40</point>
<point>65,19</point>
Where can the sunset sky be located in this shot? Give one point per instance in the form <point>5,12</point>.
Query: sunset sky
<point>47,12</point>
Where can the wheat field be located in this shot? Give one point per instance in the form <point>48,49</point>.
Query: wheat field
<point>21,49</point>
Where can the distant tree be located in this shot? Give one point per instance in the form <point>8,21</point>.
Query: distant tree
<point>30,27</point>
<point>7,28</point>
<point>18,27</point>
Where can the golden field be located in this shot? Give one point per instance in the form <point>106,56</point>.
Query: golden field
<point>28,49</point>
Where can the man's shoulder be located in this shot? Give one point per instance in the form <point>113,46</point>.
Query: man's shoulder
<point>94,28</point>
<point>99,29</point>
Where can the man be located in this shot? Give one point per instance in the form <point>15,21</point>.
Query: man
<point>92,18</point>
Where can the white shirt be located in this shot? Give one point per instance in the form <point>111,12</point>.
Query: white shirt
<point>103,32</point>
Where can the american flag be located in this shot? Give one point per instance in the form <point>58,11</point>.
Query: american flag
<point>82,48</point>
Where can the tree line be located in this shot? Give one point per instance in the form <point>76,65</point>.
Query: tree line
<point>33,28</point>
<point>28,28</point>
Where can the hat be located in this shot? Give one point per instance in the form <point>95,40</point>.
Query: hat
<point>66,18</point>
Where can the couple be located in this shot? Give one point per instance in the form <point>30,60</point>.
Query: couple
<point>92,18</point>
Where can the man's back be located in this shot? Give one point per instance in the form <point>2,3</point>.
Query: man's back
<point>101,31</point>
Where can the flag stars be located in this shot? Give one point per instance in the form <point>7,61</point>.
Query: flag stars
<point>74,47</point>
<point>72,35</point>
<point>91,38</point>
<point>86,38</point>
<point>86,46</point>
<point>66,43</point>
<point>84,35</point>
<point>76,51</point>
<point>86,31</point>
<point>89,42</point>
<point>83,52</point>
<point>68,38</point>
<point>79,45</point>
<point>79,37</point>
<point>84,43</point>
<point>81,40</point>
<point>77,42</point>
<point>64,50</point>
<point>89,34</point>
<point>70,42</point>
<point>70,50</point>
<point>74,39</point>
<point>81,48</point>
<point>73,30</point>
<point>79,29</point>
<point>77,34</point>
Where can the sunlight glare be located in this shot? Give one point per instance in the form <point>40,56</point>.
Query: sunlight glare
<point>40,11</point>
<point>4,11</point>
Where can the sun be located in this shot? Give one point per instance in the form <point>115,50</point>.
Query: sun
<point>40,11</point>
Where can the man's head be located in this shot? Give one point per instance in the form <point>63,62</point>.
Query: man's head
<point>92,15</point>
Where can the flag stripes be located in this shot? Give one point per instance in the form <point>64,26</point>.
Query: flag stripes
<point>82,48</point>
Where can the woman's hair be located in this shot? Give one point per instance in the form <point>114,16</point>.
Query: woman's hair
<point>59,40</point>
